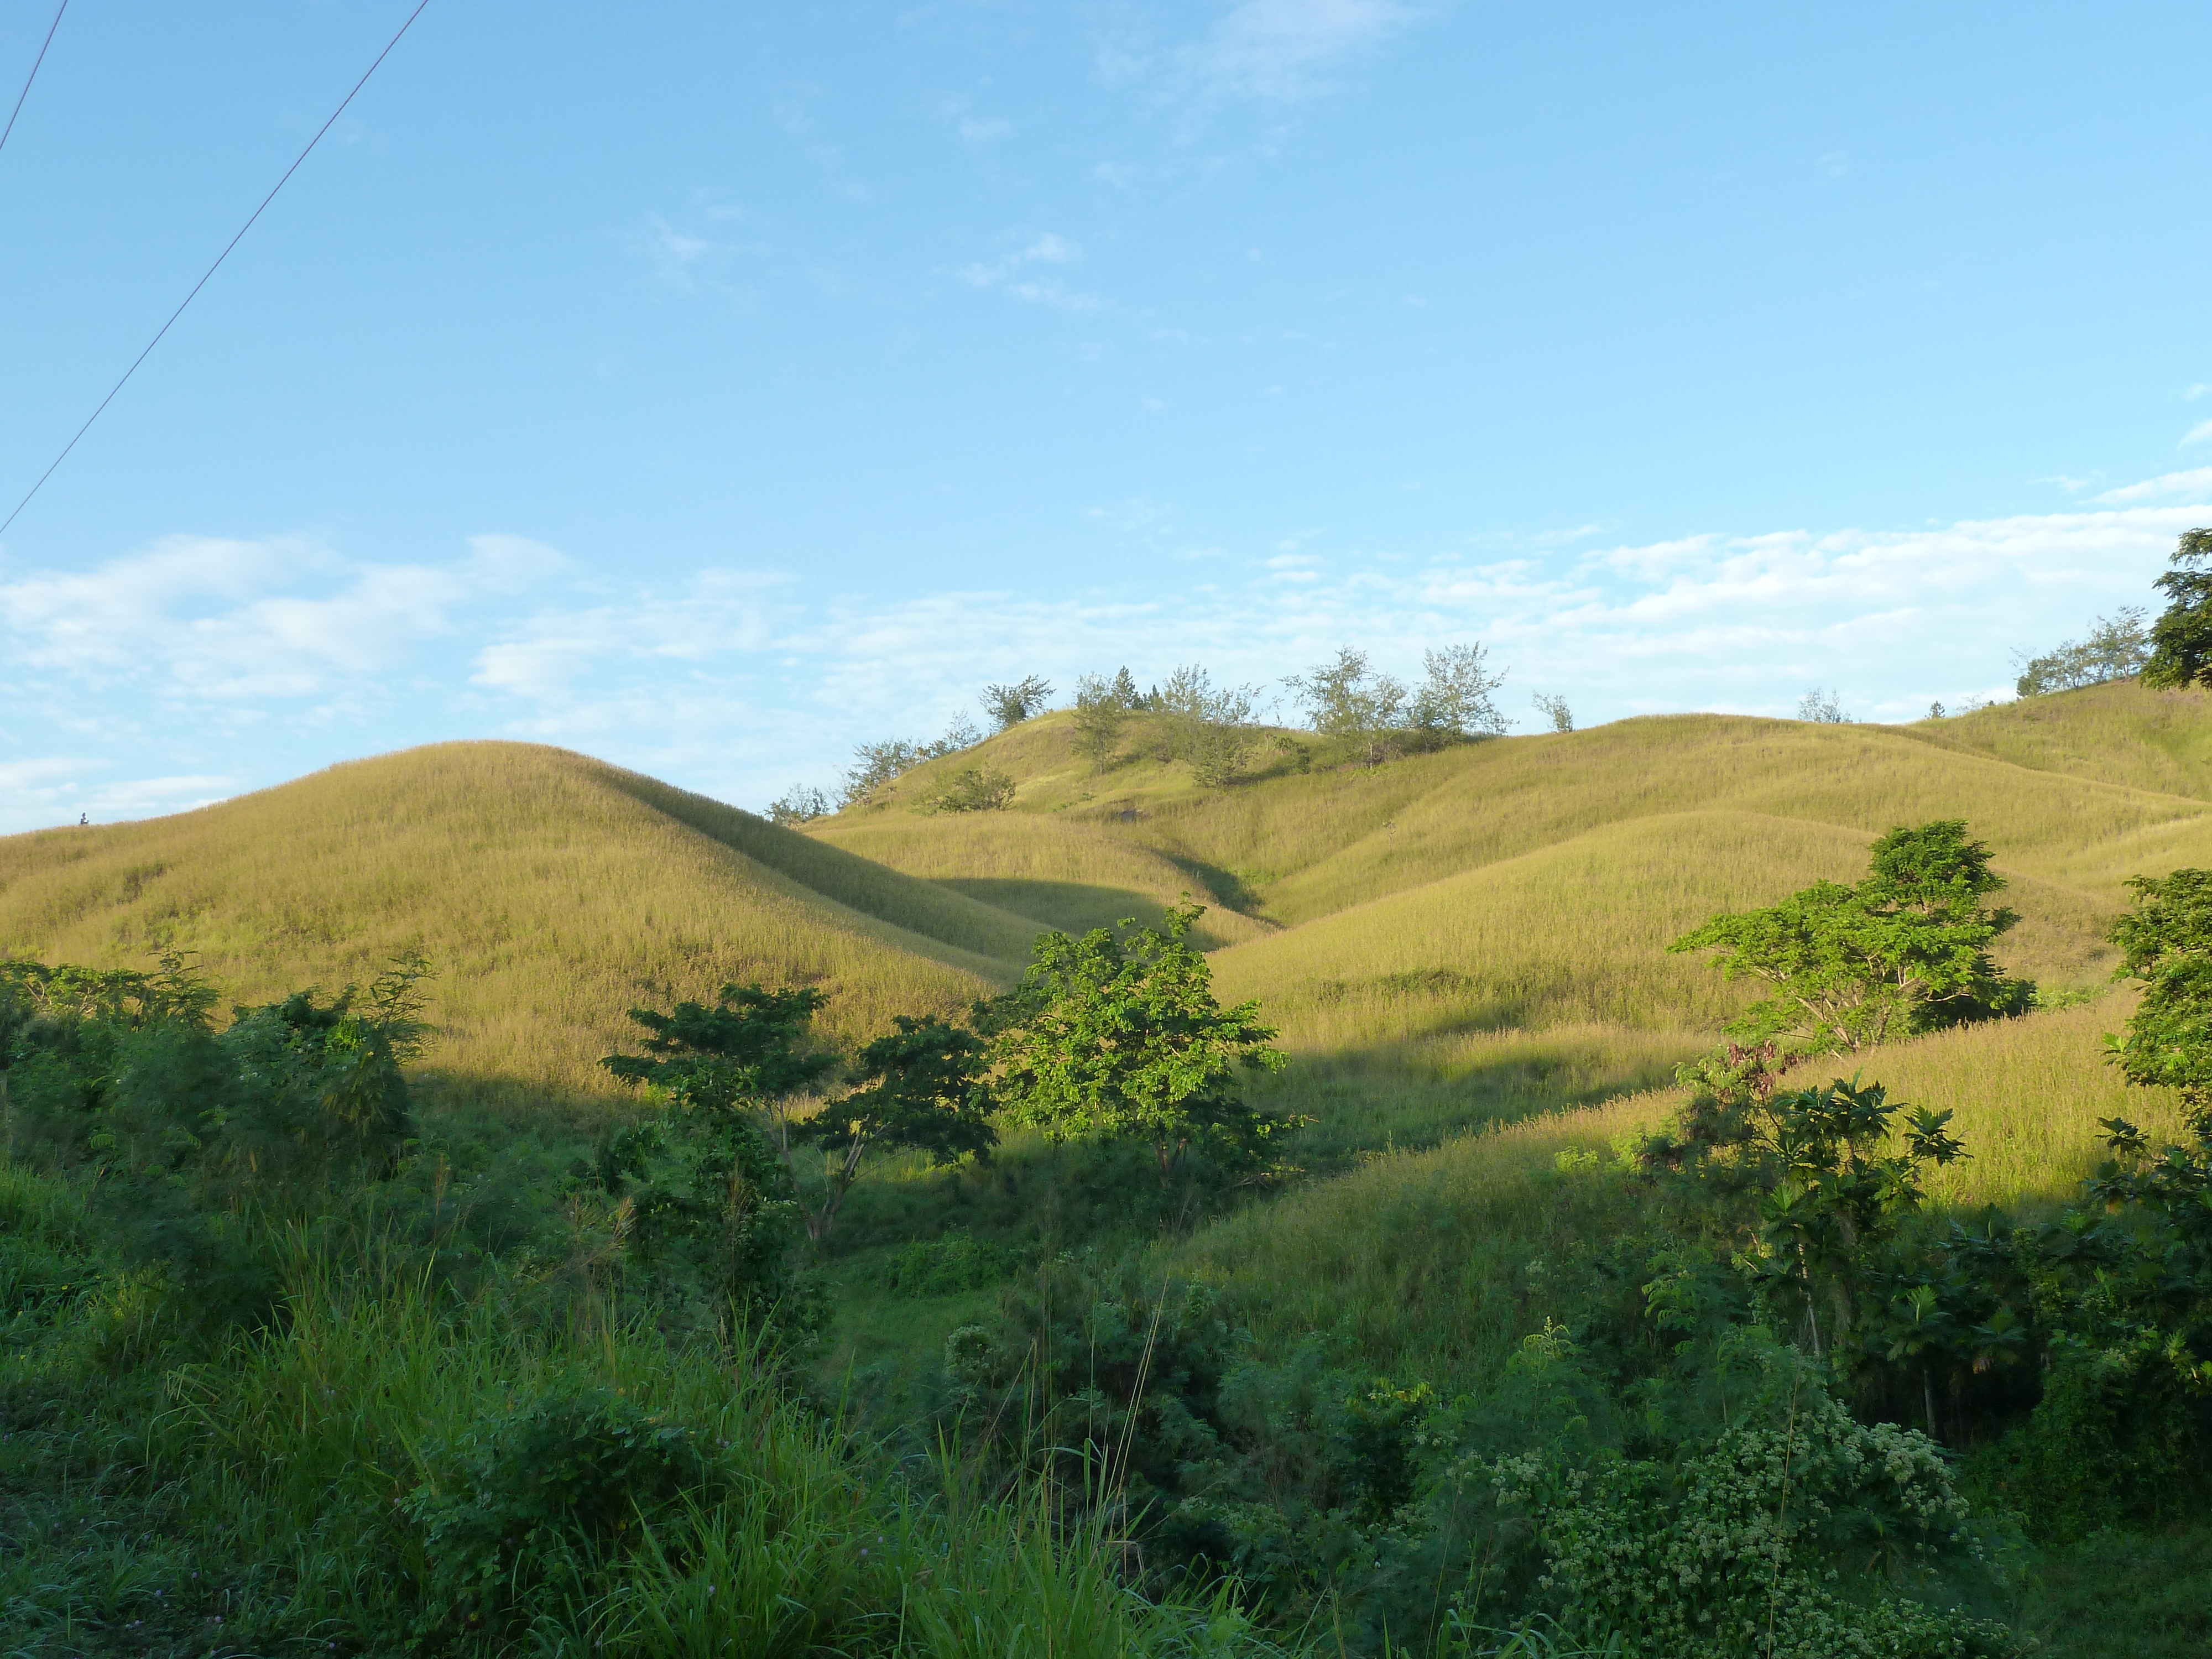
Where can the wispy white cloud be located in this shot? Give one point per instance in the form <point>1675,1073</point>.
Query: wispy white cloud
<point>1023,273</point>
<point>1284,49</point>
<point>2196,481</point>
<point>214,619</point>
<point>2199,433</point>
<point>736,681</point>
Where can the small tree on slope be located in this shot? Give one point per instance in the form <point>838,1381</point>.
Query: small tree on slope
<point>1116,1036</point>
<point>923,1091</point>
<point>2181,640</point>
<point>1905,949</point>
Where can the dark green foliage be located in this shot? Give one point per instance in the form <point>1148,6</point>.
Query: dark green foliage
<point>711,1212</point>
<point>1804,1185</point>
<point>2167,942</point>
<point>709,1195</point>
<point>949,1265</point>
<point>1632,1484</point>
<point>192,1142</point>
<point>528,1502</point>
<point>1905,949</point>
<point>2181,639</point>
<point>1116,1035</point>
<point>753,1048</point>
<point>922,1089</point>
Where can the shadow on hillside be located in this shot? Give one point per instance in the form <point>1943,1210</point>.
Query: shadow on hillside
<point>1073,906</point>
<point>1396,1097</point>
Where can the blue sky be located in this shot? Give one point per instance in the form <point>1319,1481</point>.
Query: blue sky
<point>712,388</point>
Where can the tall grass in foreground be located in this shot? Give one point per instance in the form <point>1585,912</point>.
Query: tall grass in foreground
<point>301,1462</point>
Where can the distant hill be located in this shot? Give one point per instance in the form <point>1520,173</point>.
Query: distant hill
<point>1528,882</point>
<point>1513,885</point>
<point>551,891</point>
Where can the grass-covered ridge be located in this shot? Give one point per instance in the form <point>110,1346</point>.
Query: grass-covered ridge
<point>551,890</point>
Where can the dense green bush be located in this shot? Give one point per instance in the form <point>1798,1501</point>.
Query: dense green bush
<point>531,1497</point>
<point>948,1266</point>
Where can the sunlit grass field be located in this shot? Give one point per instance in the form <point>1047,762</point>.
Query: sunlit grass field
<point>551,893</point>
<point>1384,916</point>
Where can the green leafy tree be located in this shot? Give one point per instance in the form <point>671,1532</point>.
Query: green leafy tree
<point>1206,727</point>
<point>1116,1035</point>
<point>1817,1180</point>
<point>2167,942</point>
<point>2181,639</point>
<point>753,1051</point>
<point>1453,699</point>
<point>710,1193</point>
<point>1905,949</point>
<point>1008,706</point>
<point>1103,708</point>
<point>1347,699</point>
<point>1554,708</point>
<point>923,1089</point>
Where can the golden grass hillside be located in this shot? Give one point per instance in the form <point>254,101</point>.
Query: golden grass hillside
<point>1072,877</point>
<point>552,892</point>
<point>1425,907</point>
<point>1529,882</point>
<point>1576,932</point>
<point>2115,733</point>
<point>2083,789</point>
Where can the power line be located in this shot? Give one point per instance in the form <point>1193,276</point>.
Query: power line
<point>33,74</point>
<point>212,269</point>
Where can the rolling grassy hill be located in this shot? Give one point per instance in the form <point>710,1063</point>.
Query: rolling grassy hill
<point>1447,914</point>
<point>552,892</point>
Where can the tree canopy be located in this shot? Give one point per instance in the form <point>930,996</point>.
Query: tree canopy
<point>1009,706</point>
<point>922,1089</point>
<point>2117,646</point>
<point>1348,698</point>
<point>1905,949</point>
<point>1102,707</point>
<point>2168,944</point>
<point>752,1048</point>
<point>1116,1035</point>
<point>2181,639</point>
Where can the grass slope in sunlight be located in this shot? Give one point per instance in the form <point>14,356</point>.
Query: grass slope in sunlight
<point>551,892</point>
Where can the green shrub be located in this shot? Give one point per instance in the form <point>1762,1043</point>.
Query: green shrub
<point>534,1496</point>
<point>950,1266</point>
